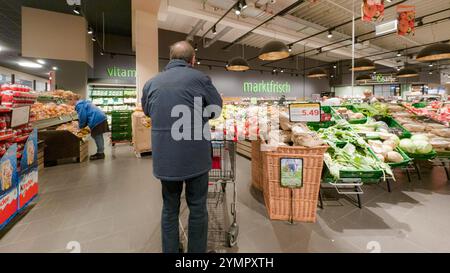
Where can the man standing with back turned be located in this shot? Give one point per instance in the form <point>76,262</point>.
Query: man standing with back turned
<point>186,160</point>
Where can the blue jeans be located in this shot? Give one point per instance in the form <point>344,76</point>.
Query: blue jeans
<point>196,198</point>
<point>100,142</point>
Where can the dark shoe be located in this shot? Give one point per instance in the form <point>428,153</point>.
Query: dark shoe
<point>97,157</point>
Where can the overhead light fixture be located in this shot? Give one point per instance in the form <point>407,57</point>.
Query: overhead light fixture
<point>90,31</point>
<point>334,66</point>
<point>317,73</point>
<point>214,30</point>
<point>431,72</point>
<point>431,65</point>
<point>399,54</point>
<point>196,47</point>
<point>41,61</point>
<point>282,71</point>
<point>363,78</point>
<point>28,64</point>
<point>55,68</point>
<point>363,65</point>
<point>274,51</point>
<point>330,34</point>
<point>290,48</point>
<point>198,62</point>
<point>398,68</point>
<point>94,39</point>
<point>243,4</point>
<point>407,73</point>
<point>238,64</point>
<point>77,10</point>
<point>434,52</point>
<point>238,9</point>
<point>102,53</point>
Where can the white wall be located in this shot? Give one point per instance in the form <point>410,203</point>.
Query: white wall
<point>358,91</point>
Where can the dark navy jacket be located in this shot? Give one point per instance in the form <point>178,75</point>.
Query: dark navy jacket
<point>178,85</point>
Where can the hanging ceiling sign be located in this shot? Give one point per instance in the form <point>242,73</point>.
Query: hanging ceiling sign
<point>372,10</point>
<point>406,20</point>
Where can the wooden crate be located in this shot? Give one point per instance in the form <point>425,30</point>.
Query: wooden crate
<point>40,157</point>
<point>257,165</point>
<point>84,151</point>
<point>244,148</point>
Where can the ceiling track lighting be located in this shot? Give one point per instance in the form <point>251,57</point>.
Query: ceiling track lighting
<point>330,34</point>
<point>77,10</point>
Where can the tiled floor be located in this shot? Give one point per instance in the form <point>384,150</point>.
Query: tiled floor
<point>114,206</point>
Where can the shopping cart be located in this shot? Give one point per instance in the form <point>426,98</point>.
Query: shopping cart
<point>220,232</point>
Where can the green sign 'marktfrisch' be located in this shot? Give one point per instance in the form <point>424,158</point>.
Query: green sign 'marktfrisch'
<point>116,72</point>
<point>267,87</point>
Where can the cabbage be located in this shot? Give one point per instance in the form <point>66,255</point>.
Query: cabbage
<point>423,147</point>
<point>419,137</point>
<point>395,139</point>
<point>408,146</point>
<point>394,157</point>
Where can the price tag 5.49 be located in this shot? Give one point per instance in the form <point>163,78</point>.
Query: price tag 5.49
<point>304,112</point>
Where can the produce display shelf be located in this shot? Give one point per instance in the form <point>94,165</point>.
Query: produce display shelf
<point>337,116</point>
<point>46,123</point>
<point>432,155</point>
<point>5,109</point>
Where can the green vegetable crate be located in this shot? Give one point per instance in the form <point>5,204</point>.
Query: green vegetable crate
<point>429,156</point>
<point>392,123</point>
<point>404,163</point>
<point>121,126</point>
<point>354,110</point>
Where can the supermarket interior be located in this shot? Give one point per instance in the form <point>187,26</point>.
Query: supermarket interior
<point>333,136</point>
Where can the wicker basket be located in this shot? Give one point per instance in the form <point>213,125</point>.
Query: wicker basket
<point>278,199</point>
<point>257,165</point>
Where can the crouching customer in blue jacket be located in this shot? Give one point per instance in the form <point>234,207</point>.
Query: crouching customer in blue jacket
<point>182,94</point>
<point>91,116</point>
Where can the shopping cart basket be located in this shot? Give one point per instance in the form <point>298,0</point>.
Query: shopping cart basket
<point>220,232</point>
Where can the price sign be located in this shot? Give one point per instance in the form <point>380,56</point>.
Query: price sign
<point>20,116</point>
<point>304,112</point>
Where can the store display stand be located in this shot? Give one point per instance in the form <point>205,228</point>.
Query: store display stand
<point>347,187</point>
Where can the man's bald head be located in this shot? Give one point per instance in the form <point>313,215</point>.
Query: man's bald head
<point>182,51</point>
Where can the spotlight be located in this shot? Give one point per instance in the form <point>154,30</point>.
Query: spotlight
<point>102,53</point>
<point>238,11</point>
<point>282,71</point>
<point>77,10</point>
<point>196,47</point>
<point>399,54</point>
<point>330,34</point>
<point>94,39</point>
<point>243,4</point>
<point>214,30</point>
<point>198,62</point>
<point>55,68</point>
<point>334,66</point>
<point>431,65</point>
<point>431,73</point>
<point>290,48</point>
<point>90,31</point>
